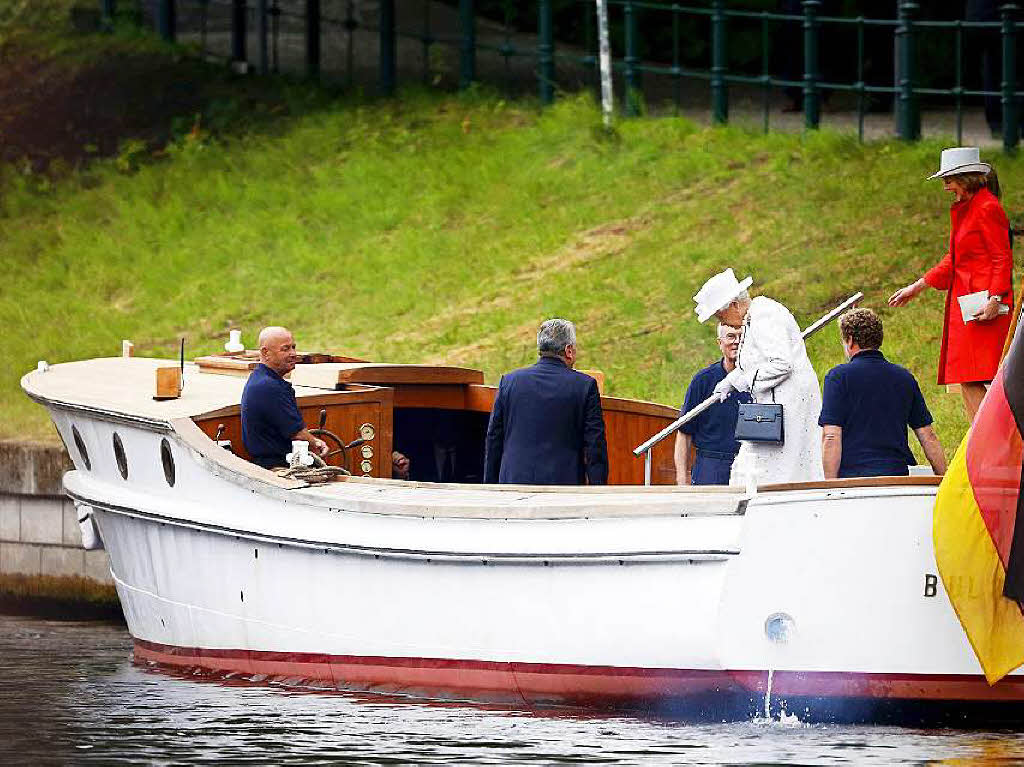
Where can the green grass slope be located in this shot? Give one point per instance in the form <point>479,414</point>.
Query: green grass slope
<point>442,228</point>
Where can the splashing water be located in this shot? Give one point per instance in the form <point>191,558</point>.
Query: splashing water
<point>785,719</point>
<point>789,720</point>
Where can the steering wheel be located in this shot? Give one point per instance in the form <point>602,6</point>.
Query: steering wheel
<point>337,445</point>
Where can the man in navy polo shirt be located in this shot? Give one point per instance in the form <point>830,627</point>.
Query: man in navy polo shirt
<point>867,405</point>
<point>270,414</point>
<point>713,431</point>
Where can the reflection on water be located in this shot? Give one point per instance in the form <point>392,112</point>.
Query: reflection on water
<point>70,694</point>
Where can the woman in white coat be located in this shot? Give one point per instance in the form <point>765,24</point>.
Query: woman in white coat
<point>773,366</point>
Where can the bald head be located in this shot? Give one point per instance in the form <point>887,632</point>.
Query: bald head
<point>277,349</point>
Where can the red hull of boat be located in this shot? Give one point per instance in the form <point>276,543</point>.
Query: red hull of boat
<point>532,684</point>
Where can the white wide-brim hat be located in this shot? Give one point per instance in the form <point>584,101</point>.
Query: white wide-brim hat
<point>961,159</point>
<point>718,292</point>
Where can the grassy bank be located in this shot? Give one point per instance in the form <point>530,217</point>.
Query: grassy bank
<point>444,228</point>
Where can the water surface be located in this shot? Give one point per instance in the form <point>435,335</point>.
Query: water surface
<point>69,694</point>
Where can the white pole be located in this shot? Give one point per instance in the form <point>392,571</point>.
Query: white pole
<point>605,63</point>
<point>832,314</point>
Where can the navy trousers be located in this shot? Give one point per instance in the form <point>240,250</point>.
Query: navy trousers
<point>711,468</point>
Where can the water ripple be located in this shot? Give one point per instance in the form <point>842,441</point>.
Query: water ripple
<point>71,695</point>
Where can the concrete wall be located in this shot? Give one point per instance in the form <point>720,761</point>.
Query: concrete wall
<point>39,532</point>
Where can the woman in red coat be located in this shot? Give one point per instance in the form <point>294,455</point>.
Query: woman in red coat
<point>979,259</point>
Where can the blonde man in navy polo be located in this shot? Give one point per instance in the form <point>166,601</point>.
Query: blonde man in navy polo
<point>867,405</point>
<point>713,431</point>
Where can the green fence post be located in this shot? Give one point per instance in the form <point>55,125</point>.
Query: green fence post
<point>1011,118</point>
<point>631,85</point>
<point>467,59</point>
<point>545,52</point>
<point>107,10</point>
<point>387,48</point>
<point>812,95</point>
<point>238,32</point>
<point>909,114</point>
<point>263,19</point>
<point>351,25</point>
<point>313,39</point>
<point>166,21</point>
<point>719,64</point>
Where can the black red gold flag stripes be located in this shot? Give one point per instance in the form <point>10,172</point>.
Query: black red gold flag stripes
<point>978,525</point>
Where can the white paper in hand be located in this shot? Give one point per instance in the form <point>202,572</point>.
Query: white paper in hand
<point>972,303</point>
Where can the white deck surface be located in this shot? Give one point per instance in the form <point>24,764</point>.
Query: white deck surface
<point>127,384</point>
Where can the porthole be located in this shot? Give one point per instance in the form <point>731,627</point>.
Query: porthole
<point>80,444</point>
<point>167,459</point>
<point>120,457</point>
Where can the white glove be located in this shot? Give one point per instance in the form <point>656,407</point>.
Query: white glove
<point>735,381</point>
<point>724,389</point>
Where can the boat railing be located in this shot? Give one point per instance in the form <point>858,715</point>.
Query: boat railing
<point>646,448</point>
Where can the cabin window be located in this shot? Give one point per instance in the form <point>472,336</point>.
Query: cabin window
<point>80,445</point>
<point>167,459</point>
<point>120,457</point>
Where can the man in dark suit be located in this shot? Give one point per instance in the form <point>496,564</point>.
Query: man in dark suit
<point>546,426</point>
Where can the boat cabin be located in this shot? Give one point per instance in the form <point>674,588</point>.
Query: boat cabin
<point>436,415</point>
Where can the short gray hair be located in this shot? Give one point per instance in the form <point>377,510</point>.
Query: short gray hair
<point>554,335</point>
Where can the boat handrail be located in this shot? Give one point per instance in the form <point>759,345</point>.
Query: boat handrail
<point>645,448</point>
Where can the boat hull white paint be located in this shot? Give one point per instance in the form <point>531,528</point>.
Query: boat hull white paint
<point>599,609</point>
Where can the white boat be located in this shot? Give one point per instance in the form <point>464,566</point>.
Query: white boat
<point>615,596</point>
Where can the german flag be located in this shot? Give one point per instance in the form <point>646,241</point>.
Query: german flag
<point>978,525</point>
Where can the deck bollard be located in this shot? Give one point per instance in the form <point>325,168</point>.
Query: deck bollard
<point>386,74</point>
<point>467,48</point>
<point>909,114</point>
<point>1011,116</point>
<point>719,64</point>
<point>812,94</point>
<point>545,52</point>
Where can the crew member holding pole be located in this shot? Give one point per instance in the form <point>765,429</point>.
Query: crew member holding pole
<point>713,431</point>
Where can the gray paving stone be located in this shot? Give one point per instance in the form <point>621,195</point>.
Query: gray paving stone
<point>42,520</point>
<point>10,518</point>
<point>20,558</point>
<point>58,560</point>
<point>72,533</point>
<point>97,566</point>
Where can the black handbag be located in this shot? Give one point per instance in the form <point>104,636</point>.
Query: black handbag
<point>760,422</point>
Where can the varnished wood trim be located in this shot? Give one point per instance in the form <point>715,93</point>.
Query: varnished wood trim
<point>833,484</point>
<point>638,407</point>
<point>480,397</point>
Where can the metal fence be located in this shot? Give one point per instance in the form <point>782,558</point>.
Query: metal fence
<point>385,41</point>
